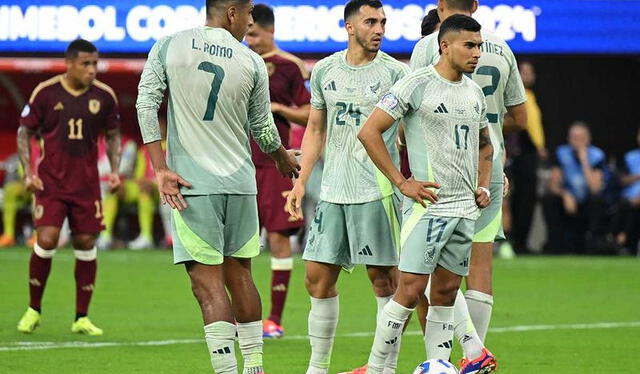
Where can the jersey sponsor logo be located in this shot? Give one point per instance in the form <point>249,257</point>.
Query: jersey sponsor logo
<point>25,111</point>
<point>331,86</point>
<point>94,106</point>
<point>58,106</point>
<point>390,101</point>
<point>441,109</point>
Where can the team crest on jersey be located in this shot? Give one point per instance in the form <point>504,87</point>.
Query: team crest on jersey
<point>38,211</point>
<point>25,111</point>
<point>390,101</point>
<point>271,68</point>
<point>94,106</point>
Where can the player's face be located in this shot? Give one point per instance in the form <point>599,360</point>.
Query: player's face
<point>462,49</point>
<point>528,74</point>
<point>368,27</point>
<point>259,39</point>
<point>240,18</point>
<point>579,137</point>
<point>83,68</point>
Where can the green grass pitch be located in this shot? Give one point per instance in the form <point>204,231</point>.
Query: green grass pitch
<point>551,315</point>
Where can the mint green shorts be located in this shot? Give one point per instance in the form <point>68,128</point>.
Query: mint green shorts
<point>215,226</point>
<point>429,241</point>
<point>489,225</point>
<point>350,234</point>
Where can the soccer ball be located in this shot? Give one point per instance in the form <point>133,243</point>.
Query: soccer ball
<point>436,367</point>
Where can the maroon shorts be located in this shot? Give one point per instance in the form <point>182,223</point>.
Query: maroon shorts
<point>85,214</point>
<point>271,186</point>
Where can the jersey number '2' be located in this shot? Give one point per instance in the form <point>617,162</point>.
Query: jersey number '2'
<point>218,76</point>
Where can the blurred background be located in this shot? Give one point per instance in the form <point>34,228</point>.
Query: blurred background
<point>580,61</point>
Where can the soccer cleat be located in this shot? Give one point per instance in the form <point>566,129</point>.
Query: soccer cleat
<point>29,321</point>
<point>484,364</point>
<point>7,241</point>
<point>140,243</point>
<point>360,370</point>
<point>84,326</point>
<point>271,330</point>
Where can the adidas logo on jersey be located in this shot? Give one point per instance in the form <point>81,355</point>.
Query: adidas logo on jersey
<point>441,109</point>
<point>222,351</point>
<point>58,106</point>
<point>366,251</point>
<point>331,86</point>
<point>448,344</point>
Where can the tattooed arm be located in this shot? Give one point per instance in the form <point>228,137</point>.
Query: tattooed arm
<point>114,152</point>
<point>31,180</point>
<point>484,168</point>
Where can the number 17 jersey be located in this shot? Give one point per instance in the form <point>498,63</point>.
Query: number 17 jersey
<point>348,94</point>
<point>218,95</point>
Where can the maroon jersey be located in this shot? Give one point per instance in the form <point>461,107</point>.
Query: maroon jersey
<point>69,122</point>
<point>287,78</point>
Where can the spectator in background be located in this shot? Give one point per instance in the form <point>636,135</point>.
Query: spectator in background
<point>574,207</point>
<point>15,196</point>
<point>626,221</point>
<point>528,151</point>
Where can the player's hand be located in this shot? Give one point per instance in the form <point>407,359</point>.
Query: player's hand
<point>569,203</point>
<point>482,198</point>
<point>419,191</point>
<point>276,107</point>
<point>505,190</point>
<point>114,182</point>
<point>169,184</point>
<point>288,165</point>
<point>33,183</point>
<point>294,201</point>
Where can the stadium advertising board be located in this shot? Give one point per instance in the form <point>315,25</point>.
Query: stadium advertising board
<point>306,26</point>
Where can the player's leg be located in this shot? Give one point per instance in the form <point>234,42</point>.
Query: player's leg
<point>198,234</point>
<point>281,267</point>
<point>208,286</point>
<point>143,192</point>
<point>327,251</point>
<point>13,193</point>
<point>110,212</point>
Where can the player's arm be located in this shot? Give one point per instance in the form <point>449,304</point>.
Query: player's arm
<point>485,162</point>
<point>114,152</point>
<point>153,83</point>
<point>312,146</point>
<point>515,119</point>
<point>298,115</point>
<point>371,138</point>
<point>32,181</point>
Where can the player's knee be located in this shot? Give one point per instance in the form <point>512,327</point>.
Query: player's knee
<point>382,282</point>
<point>84,242</point>
<point>445,294</point>
<point>318,287</point>
<point>47,242</point>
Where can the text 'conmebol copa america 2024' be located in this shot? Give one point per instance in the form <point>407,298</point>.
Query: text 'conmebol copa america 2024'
<point>142,24</point>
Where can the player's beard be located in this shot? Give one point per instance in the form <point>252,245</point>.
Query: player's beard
<point>367,46</point>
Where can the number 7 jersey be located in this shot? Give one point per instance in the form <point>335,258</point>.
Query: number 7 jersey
<point>218,96</point>
<point>348,94</point>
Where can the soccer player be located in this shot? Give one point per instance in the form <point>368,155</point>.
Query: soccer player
<point>356,221</point>
<point>497,74</point>
<point>218,94</point>
<point>444,113</point>
<point>69,112</point>
<point>289,103</point>
<point>15,196</point>
<point>430,23</point>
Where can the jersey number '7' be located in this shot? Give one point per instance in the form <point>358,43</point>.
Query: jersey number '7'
<point>218,76</point>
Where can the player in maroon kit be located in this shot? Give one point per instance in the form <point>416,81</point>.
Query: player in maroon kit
<point>68,112</point>
<point>289,103</point>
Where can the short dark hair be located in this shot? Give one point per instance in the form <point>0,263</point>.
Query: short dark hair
<point>466,5</point>
<point>457,23</point>
<point>354,6</point>
<point>216,3</point>
<point>77,46</point>
<point>263,15</point>
<point>430,22</point>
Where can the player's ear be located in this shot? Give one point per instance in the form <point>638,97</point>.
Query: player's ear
<point>231,14</point>
<point>474,7</point>
<point>349,27</point>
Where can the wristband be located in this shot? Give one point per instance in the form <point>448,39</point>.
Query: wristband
<point>485,190</point>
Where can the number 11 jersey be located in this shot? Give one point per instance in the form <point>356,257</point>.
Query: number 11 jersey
<point>218,96</point>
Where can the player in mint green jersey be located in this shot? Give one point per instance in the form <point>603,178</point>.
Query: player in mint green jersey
<point>448,142</point>
<point>497,74</point>
<point>356,221</point>
<point>218,94</point>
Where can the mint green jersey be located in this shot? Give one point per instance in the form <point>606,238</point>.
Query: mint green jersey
<point>348,94</point>
<point>442,121</point>
<point>497,73</point>
<point>218,95</point>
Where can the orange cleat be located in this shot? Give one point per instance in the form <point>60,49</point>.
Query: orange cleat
<point>360,370</point>
<point>7,241</point>
<point>484,364</point>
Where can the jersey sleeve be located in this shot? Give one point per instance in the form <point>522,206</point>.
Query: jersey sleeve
<point>401,99</point>
<point>514,93</point>
<point>33,113</point>
<point>299,91</point>
<point>153,83</point>
<point>317,96</point>
<point>261,124</point>
<point>421,56</point>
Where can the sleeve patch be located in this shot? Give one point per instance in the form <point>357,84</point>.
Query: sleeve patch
<point>390,101</point>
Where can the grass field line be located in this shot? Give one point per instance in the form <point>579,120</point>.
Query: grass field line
<point>36,345</point>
